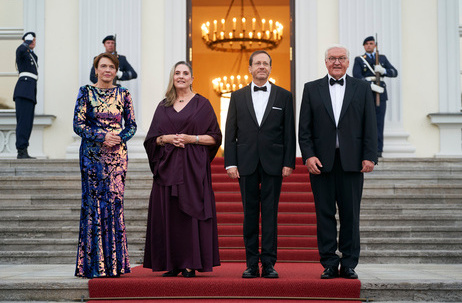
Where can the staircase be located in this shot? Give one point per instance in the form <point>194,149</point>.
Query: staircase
<point>411,212</point>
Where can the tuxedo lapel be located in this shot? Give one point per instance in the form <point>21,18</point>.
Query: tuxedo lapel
<point>325,96</point>
<point>350,90</point>
<point>248,101</point>
<point>270,104</point>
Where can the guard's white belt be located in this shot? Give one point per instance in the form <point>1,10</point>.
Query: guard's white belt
<point>372,78</point>
<point>27,74</point>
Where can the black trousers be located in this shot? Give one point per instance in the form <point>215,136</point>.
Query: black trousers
<point>260,190</point>
<point>24,121</point>
<point>344,190</point>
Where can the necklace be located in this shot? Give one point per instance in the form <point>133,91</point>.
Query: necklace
<point>180,100</point>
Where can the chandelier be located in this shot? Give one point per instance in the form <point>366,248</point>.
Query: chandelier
<point>225,85</point>
<point>242,34</point>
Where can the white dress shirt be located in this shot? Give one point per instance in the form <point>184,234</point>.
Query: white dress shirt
<point>337,92</point>
<point>260,100</point>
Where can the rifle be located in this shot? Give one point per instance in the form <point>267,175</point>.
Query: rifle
<point>114,82</point>
<point>115,45</point>
<point>377,74</point>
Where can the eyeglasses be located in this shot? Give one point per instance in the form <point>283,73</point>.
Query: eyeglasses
<point>333,59</point>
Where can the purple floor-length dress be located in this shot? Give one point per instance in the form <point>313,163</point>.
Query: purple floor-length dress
<point>182,223</point>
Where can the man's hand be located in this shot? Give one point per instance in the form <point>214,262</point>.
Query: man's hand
<point>313,164</point>
<point>368,166</point>
<point>233,173</point>
<point>119,74</point>
<point>287,171</point>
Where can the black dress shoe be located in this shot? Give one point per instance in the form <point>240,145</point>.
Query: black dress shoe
<point>268,271</point>
<point>251,272</point>
<point>348,273</point>
<point>23,154</point>
<point>172,273</point>
<point>329,273</point>
<point>189,274</point>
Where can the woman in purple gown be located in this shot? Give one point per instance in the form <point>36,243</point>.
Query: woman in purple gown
<point>98,116</point>
<point>183,139</point>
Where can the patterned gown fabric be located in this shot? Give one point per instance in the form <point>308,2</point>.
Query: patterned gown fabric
<point>102,249</point>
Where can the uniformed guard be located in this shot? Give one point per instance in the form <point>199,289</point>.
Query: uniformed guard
<point>125,72</point>
<point>25,93</point>
<point>365,68</point>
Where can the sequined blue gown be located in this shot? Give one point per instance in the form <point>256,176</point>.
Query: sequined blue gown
<point>102,249</point>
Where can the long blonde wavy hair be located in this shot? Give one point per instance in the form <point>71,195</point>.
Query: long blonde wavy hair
<point>170,94</point>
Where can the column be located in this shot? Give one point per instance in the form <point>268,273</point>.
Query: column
<point>99,19</point>
<point>362,18</point>
<point>449,119</point>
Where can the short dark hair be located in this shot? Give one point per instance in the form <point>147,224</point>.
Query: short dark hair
<point>111,57</point>
<point>257,53</point>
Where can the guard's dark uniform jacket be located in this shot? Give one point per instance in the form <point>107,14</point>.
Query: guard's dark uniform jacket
<point>26,62</point>
<point>362,71</point>
<point>125,67</point>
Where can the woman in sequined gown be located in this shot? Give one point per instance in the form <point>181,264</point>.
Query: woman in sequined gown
<point>99,112</point>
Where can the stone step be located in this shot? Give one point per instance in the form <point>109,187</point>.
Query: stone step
<point>411,256</point>
<point>141,210</point>
<point>379,232</point>
<point>369,190</point>
<point>53,257</point>
<point>421,244</point>
<point>135,243</point>
<point>136,257</point>
<point>366,220</point>
<point>135,197</point>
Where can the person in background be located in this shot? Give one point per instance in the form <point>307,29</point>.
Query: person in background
<point>25,93</point>
<point>125,71</point>
<point>362,69</point>
<point>98,115</point>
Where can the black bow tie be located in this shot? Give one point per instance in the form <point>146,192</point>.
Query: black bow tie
<point>256,88</point>
<point>332,81</point>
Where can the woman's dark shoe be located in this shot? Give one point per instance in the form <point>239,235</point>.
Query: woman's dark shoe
<point>172,273</point>
<point>189,274</point>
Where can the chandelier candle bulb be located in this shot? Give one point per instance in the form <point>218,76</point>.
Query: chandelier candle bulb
<point>253,23</point>
<point>214,25</point>
<point>223,24</point>
<point>270,25</point>
<point>263,21</point>
<point>234,23</point>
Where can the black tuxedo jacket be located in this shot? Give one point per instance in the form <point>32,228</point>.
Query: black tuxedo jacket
<point>357,128</point>
<point>272,143</point>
